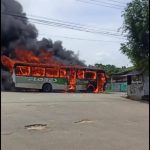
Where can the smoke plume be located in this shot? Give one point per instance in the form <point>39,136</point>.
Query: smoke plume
<point>20,33</point>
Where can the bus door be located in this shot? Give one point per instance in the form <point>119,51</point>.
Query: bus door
<point>91,77</point>
<point>101,80</point>
<point>71,75</point>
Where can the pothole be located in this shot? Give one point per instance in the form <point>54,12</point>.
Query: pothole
<point>84,121</point>
<point>36,127</point>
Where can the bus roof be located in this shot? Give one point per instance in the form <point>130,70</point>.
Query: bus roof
<point>58,66</point>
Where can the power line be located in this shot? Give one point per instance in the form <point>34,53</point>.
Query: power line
<point>107,3</point>
<point>80,39</point>
<point>58,24</point>
<point>98,4</point>
<point>115,1</point>
<point>112,30</point>
<point>104,4</point>
<point>71,27</point>
<point>77,26</point>
<point>104,33</point>
<point>65,22</point>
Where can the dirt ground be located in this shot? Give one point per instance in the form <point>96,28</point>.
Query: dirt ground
<point>63,121</point>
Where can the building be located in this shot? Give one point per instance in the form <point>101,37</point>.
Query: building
<point>135,83</point>
<point>138,85</point>
<point>118,82</point>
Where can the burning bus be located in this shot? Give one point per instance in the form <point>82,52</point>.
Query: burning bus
<point>50,78</point>
<point>44,73</point>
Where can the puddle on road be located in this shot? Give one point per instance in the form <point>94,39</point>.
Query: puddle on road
<point>36,127</point>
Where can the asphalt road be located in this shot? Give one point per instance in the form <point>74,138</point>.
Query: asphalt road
<point>63,121</point>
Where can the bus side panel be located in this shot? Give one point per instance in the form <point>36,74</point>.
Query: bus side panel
<point>28,82</point>
<point>81,85</point>
<point>37,82</point>
<point>59,83</point>
<point>28,85</point>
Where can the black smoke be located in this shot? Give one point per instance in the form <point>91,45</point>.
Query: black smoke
<point>19,32</point>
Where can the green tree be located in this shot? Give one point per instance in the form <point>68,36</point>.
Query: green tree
<point>111,69</point>
<point>136,25</point>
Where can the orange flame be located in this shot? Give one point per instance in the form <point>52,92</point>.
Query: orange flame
<point>100,83</point>
<point>7,62</point>
<point>27,56</point>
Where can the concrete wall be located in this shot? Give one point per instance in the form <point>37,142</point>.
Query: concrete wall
<point>135,91</point>
<point>138,90</point>
<point>146,84</point>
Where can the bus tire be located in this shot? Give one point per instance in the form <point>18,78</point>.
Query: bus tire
<point>90,89</point>
<point>47,87</point>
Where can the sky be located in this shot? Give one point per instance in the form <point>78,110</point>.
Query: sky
<point>104,49</point>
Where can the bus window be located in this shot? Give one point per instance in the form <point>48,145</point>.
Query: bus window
<point>80,74</point>
<point>22,70</point>
<point>62,73</point>
<point>90,75</point>
<point>38,71</point>
<point>51,72</point>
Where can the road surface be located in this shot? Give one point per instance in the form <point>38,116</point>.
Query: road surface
<point>63,121</point>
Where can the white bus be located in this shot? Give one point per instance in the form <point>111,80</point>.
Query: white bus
<point>51,78</point>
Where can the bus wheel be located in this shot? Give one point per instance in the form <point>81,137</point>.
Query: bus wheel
<point>90,89</point>
<point>47,87</point>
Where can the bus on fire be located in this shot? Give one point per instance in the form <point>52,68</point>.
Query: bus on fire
<point>50,78</point>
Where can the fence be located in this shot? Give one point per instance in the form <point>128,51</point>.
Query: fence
<point>117,87</point>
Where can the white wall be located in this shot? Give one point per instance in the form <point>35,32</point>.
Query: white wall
<point>137,90</point>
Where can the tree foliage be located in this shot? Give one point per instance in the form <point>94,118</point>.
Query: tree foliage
<point>136,25</point>
<point>112,69</point>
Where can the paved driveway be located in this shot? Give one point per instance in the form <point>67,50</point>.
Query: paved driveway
<point>62,121</point>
